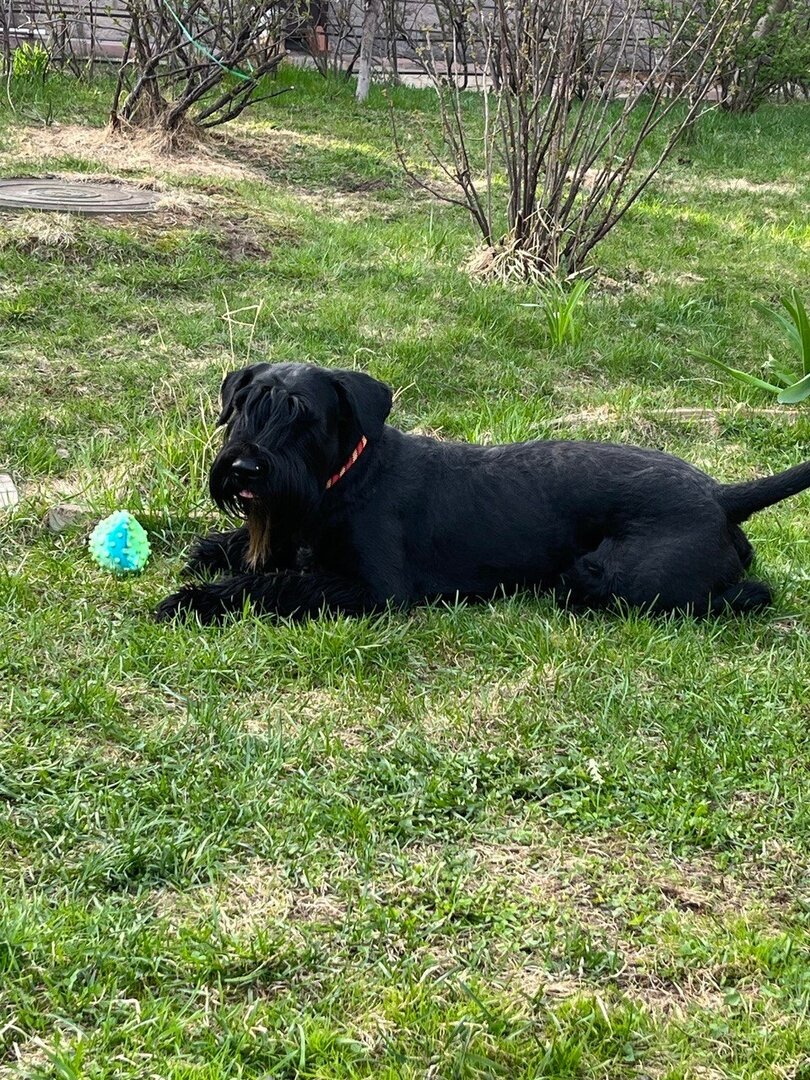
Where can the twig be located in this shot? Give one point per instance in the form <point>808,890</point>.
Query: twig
<point>686,414</point>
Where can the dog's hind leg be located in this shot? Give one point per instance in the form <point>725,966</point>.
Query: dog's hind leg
<point>695,569</point>
<point>287,594</point>
<point>584,584</point>
<point>743,546</point>
<point>743,597</point>
<point>217,553</point>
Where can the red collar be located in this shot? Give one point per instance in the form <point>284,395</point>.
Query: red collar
<point>358,450</point>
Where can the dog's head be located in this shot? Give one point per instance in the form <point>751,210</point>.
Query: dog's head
<point>289,428</point>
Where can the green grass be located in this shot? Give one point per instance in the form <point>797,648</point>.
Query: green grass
<point>466,842</point>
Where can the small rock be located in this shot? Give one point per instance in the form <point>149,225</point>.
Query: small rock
<point>9,496</point>
<point>63,516</point>
<point>62,452</point>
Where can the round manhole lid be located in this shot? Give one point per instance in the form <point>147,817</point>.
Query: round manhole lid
<point>76,196</point>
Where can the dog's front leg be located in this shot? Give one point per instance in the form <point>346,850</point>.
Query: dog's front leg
<point>217,553</point>
<point>287,594</point>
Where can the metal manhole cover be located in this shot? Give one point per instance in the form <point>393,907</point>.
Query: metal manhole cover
<point>76,196</point>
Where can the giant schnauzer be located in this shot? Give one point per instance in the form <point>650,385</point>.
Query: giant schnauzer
<point>346,514</point>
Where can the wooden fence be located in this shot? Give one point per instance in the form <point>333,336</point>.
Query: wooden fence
<point>82,29</point>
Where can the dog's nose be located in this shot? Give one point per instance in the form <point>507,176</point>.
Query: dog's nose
<point>246,467</point>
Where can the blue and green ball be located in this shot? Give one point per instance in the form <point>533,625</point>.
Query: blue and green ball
<point>119,543</point>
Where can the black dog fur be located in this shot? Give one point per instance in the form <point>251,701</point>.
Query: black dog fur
<point>414,519</point>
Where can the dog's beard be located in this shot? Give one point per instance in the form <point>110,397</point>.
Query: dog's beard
<point>279,510</point>
<point>259,536</point>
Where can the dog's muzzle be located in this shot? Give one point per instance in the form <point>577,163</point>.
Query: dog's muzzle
<point>244,470</point>
<point>237,481</point>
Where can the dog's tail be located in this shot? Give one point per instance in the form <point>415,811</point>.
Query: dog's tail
<point>740,501</point>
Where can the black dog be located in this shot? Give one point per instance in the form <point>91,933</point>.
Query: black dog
<point>346,514</point>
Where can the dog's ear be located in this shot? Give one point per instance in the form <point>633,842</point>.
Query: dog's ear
<point>368,401</point>
<point>232,384</point>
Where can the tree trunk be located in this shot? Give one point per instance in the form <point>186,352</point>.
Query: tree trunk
<point>766,24</point>
<point>371,20</point>
<point>743,96</point>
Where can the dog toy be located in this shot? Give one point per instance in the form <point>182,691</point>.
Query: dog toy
<point>119,543</point>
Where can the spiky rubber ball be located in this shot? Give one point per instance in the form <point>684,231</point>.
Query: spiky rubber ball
<point>119,543</point>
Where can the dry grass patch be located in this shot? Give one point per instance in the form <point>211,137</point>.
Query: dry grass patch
<point>737,186</point>
<point>481,715</point>
<point>594,880</point>
<point>150,709</point>
<point>633,905</point>
<point>120,152</point>
<point>339,720</point>
<point>246,901</point>
<point>348,206</point>
<point>27,1057</point>
<point>654,424</point>
<point>114,483</point>
<point>35,232</point>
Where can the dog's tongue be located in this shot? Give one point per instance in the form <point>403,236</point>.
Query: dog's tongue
<point>246,494</point>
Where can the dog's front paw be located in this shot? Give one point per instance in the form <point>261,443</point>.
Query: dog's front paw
<point>197,567</point>
<point>189,600</point>
<point>218,553</point>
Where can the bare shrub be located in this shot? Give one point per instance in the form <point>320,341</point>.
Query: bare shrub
<point>195,64</point>
<point>581,102</point>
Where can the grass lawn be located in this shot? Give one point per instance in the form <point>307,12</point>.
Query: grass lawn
<point>464,842</point>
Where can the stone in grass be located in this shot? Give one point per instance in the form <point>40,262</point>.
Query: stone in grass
<point>9,496</point>
<point>64,516</point>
